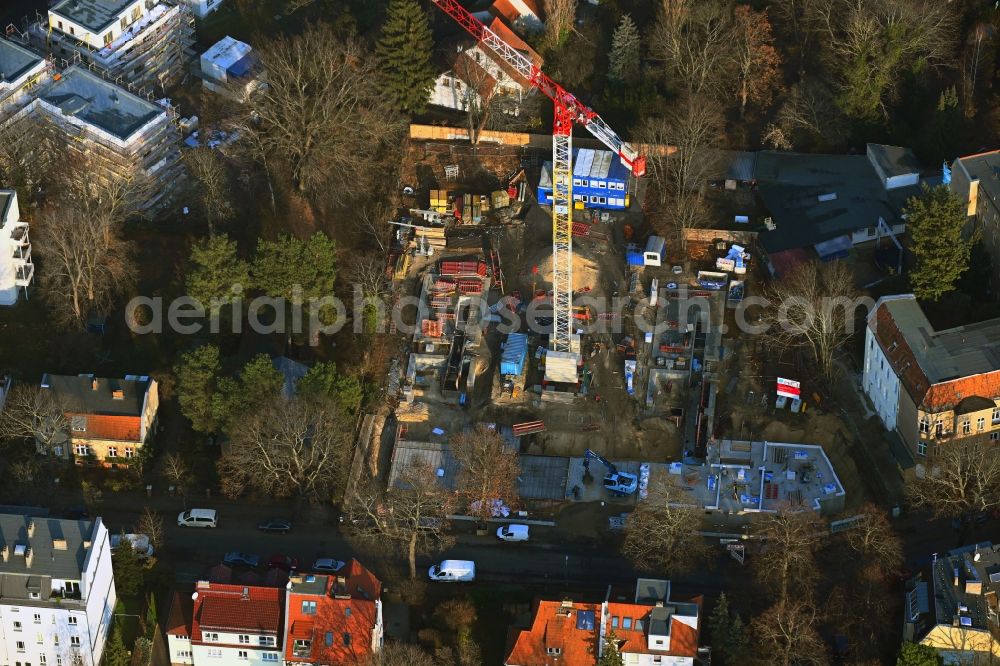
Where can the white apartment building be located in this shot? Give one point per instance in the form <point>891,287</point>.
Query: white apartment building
<point>20,71</point>
<point>16,270</point>
<point>226,625</point>
<point>57,591</point>
<point>202,8</point>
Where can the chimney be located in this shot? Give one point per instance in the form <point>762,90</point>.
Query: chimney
<point>29,555</point>
<point>86,544</point>
<point>93,385</point>
<point>31,527</point>
<point>118,394</point>
<point>59,544</point>
<point>246,594</point>
<point>5,552</point>
<point>954,572</point>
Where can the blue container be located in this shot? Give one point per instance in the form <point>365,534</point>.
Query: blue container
<point>634,258</point>
<point>515,352</point>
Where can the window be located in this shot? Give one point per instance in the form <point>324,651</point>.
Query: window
<point>39,638</point>
<point>925,425</point>
<point>308,607</point>
<point>17,626</point>
<point>921,448</point>
<point>244,639</point>
<point>939,428</point>
<point>123,23</point>
<point>994,436</point>
<point>602,185</point>
<point>577,182</point>
<point>614,622</point>
<point>996,415</point>
<point>215,653</point>
<point>72,31</point>
<point>72,618</point>
<point>57,449</point>
<point>38,618</point>
<point>966,427</point>
<point>212,638</point>
<point>626,623</point>
<point>980,423</point>
<point>269,656</point>
<point>328,639</point>
<point>136,12</point>
<point>553,651</point>
<point>20,646</point>
<point>242,655</point>
<point>266,641</point>
<point>112,451</point>
<point>42,659</point>
<point>347,639</point>
<point>55,639</point>
<point>129,451</point>
<point>602,200</point>
<point>302,647</point>
<point>58,660</point>
<point>60,25</point>
<point>74,641</point>
<point>107,38</point>
<point>593,199</point>
<point>81,449</point>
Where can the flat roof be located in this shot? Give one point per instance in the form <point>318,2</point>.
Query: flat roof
<point>894,160</point>
<point>984,167</point>
<point>15,60</point>
<point>95,15</point>
<point>86,96</point>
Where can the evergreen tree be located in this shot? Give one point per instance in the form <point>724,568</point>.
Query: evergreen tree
<point>611,656</point>
<point>324,382</point>
<point>127,569</point>
<point>623,67</point>
<point>913,654</point>
<point>152,616</point>
<point>728,636</point>
<point>217,273</point>
<point>941,138</point>
<point>935,221</point>
<point>404,55</point>
<point>196,384</point>
<point>115,652</point>
<point>258,383</point>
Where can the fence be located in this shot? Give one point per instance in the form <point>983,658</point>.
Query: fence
<point>521,139</point>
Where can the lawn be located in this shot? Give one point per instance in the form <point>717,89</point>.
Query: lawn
<point>127,613</point>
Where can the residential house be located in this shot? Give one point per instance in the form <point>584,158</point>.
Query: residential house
<point>226,625</point>
<point>333,620</point>
<point>21,71</point>
<point>651,630</point>
<point>933,388</point>
<point>524,16</point>
<point>57,591</point>
<point>143,44</point>
<point>475,76</point>
<point>120,135</point>
<point>953,608</point>
<point>17,272</point>
<point>975,179</point>
<point>110,420</point>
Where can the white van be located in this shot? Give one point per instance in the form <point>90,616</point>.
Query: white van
<point>453,571</point>
<point>513,533</point>
<point>198,518</point>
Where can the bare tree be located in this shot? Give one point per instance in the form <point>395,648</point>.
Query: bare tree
<point>413,516</point>
<point>975,58</point>
<point>208,169</point>
<point>791,539</point>
<point>175,470</point>
<point>874,540</point>
<point>962,477</point>
<point>321,114</point>
<point>31,412</point>
<point>692,40</point>
<point>662,532</point>
<point>288,448</point>
<point>368,271</point>
<point>373,222</point>
<point>394,653</point>
<point>681,178</point>
<point>560,17</point>
<point>786,635</point>
<point>813,308</point>
<point>488,471</point>
<point>151,524</point>
<point>755,61</point>
<point>810,113</point>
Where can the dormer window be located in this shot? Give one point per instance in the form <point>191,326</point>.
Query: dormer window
<point>553,651</point>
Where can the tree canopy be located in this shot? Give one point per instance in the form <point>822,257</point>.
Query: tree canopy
<point>936,221</point>
<point>404,56</point>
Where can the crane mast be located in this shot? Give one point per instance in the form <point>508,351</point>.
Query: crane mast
<point>568,109</point>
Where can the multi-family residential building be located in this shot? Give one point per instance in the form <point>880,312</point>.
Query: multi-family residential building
<point>21,71</point>
<point>933,388</point>
<point>110,420</point>
<point>120,135</point>
<point>202,8</point>
<point>142,43</point>
<point>333,620</point>
<point>975,179</point>
<point>953,608</point>
<point>17,272</point>
<point>57,591</point>
<point>226,625</point>
<point>652,630</point>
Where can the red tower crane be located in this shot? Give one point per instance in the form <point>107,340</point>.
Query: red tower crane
<point>568,110</point>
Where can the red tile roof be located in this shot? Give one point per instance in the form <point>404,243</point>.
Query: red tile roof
<point>220,607</point>
<point>341,629</point>
<point>552,629</point>
<point>506,34</point>
<point>121,428</point>
<point>506,9</point>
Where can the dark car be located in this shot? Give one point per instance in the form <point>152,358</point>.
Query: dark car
<point>238,558</point>
<point>276,525</point>
<point>283,562</point>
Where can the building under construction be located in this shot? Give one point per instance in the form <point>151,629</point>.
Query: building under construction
<point>21,71</point>
<point>118,134</point>
<point>142,45</point>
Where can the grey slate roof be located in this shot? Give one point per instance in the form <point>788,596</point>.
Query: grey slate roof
<point>15,60</point>
<point>79,394</point>
<point>985,167</point>
<point>46,559</point>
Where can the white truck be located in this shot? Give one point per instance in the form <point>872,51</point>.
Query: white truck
<point>453,571</point>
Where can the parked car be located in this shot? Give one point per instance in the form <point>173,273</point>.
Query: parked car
<point>238,558</point>
<point>513,533</point>
<point>198,518</point>
<point>276,525</point>
<point>283,562</point>
<point>140,543</point>
<point>453,571</point>
<point>327,565</point>
<point>621,483</point>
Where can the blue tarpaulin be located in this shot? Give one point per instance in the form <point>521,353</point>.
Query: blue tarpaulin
<point>515,351</point>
